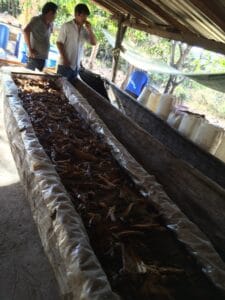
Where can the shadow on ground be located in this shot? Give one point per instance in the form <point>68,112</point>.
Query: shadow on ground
<point>25,271</point>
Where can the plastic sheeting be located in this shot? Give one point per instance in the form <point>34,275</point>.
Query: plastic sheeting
<point>61,230</point>
<point>214,80</point>
<point>187,232</point>
<point>140,61</point>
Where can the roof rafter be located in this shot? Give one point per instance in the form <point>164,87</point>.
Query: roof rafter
<point>131,9</point>
<point>192,17</point>
<point>148,4</point>
<point>195,22</point>
<point>190,39</point>
<point>211,10</point>
<point>113,8</point>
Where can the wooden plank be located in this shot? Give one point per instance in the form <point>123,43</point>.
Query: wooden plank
<point>182,147</point>
<point>199,198</point>
<point>5,62</point>
<point>10,62</point>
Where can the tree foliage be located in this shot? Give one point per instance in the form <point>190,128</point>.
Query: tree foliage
<point>10,6</point>
<point>175,54</point>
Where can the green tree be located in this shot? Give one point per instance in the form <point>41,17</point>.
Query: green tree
<point>11,6</point>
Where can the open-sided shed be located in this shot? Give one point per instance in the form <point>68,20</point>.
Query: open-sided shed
<point>195,22</point>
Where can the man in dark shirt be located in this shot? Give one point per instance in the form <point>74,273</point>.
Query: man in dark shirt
<point>37,36</point>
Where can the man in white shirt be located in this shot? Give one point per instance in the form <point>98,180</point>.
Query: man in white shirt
<point>37,36</point>
<point>70,42</point>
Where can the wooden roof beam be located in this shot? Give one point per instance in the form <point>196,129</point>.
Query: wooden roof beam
<point>194,18</point>
<point>112,8</point>
<point>191,17</point>
<point>149,4</point>
<point>150,10</point>
<point>190,39</point>
<point>134,11</point>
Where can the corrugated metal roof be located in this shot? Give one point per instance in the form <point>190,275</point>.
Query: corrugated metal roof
<point>196,22</point>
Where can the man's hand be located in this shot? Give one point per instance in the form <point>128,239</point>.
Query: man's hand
<point>88,25</point>
<point>32,53</point>
<point>65,61</point>
<point>92,37</point>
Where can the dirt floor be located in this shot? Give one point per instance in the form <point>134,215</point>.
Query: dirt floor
<point>25,271</point>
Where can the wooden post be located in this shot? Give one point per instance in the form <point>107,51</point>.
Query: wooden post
<point>119,38</point>
<point>94,52</point>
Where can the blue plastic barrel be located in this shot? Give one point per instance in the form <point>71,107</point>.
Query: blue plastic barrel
<point>17,47</point>
<point>22,51</point>
<point>52,57</point>
<point>23,57</point>
<point>4,36</point>
<point>136,83</point>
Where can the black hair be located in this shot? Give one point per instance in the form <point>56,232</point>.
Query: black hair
<point>49,6</point>
<point>82,9</point>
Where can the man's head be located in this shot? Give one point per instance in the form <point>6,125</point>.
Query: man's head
<point>81,12</point>
<point>49,11</point>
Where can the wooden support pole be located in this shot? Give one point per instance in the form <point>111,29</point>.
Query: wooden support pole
<point>93,55</point>
<point>119,38</point>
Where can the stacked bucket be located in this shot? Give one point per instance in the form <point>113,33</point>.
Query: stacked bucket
<point>193,126</point>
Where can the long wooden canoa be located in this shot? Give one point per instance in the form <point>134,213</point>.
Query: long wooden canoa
<point>200,198</point>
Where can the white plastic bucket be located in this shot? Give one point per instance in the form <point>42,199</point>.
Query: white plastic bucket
<point>174,118</point>
<point>143,97</point>
<point>189,124</point>
<point>208,137</point>
<point>153,101</point>
<point>165,106</point>
<point>220,152</point>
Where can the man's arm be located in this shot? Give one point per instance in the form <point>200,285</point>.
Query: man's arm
<point>26,33</point>
<point>91,35</point>
<point>60,47</point>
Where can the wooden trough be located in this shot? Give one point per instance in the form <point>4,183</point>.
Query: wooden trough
<point>63,234</point>
<point>179,145</point>
<point>198,196</point>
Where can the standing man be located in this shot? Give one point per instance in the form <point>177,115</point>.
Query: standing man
<point>37,36</point>
<point>71,39</point>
